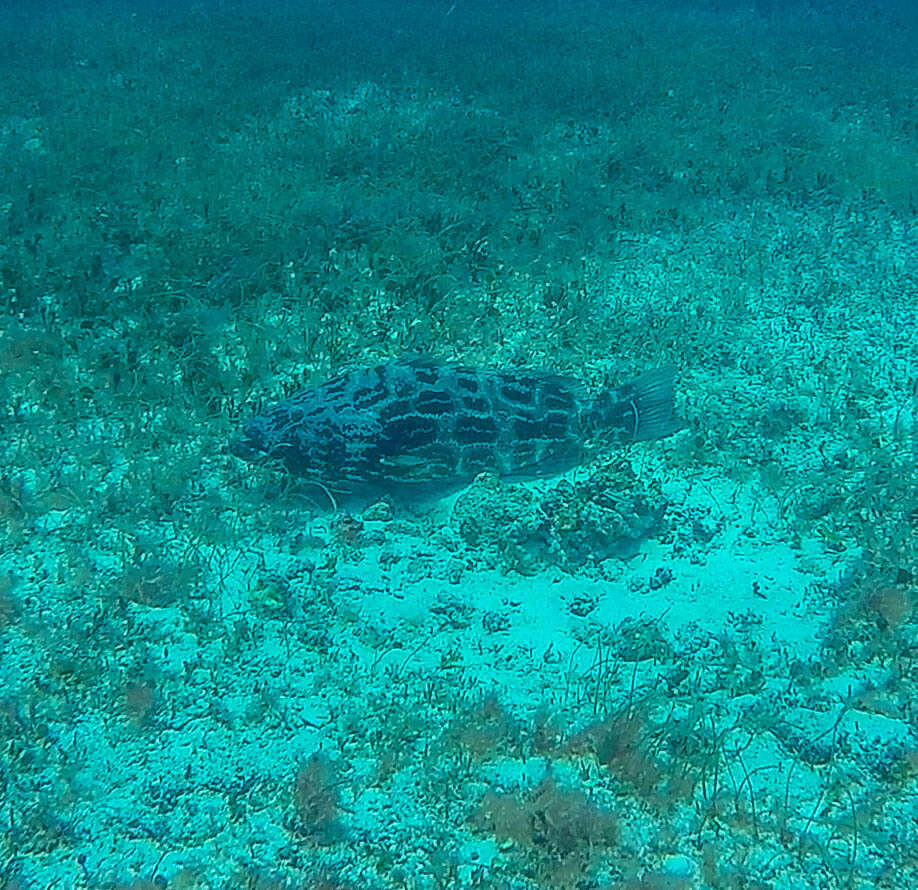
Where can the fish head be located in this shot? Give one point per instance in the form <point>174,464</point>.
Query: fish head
<point>248,446</point>
<point>258,441</point>
<point>295,434</point>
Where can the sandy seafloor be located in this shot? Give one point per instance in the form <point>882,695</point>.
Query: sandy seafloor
<point>685,664</point>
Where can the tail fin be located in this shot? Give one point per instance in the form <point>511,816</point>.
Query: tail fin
<point>651,401</point>
<point>640,410</point>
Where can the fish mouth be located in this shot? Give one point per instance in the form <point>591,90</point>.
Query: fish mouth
<point>244,448</point>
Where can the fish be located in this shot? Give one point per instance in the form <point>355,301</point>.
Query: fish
<point>421,425</point>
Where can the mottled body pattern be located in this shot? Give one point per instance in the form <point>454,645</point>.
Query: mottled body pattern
<point>426,423</point>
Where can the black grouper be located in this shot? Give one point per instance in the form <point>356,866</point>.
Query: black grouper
<point>422,425</point>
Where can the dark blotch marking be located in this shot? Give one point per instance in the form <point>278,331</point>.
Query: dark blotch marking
<point>406,433</point>
<point>478,405</point>
<point>558,400</point>
<point>518,392</point>
<point>336,385</point>
<point>556,425</point>
<point>433,401</point>
<point>468,383</point>
<point>426,373</point>
<point>476,459</point>
<point>470,430</point>
<point>367,396</point>
<point>528,428</point>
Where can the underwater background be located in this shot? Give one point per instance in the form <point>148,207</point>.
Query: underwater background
<point>688,663</point>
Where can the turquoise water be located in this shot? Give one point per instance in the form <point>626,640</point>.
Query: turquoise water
<point>684,663</point>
